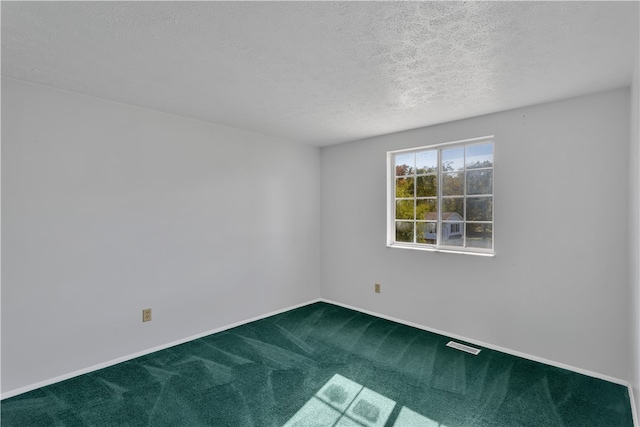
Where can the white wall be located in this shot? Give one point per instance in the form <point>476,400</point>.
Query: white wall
<point>109,209</point>
<point>557,288</point>
<point>634,239</point>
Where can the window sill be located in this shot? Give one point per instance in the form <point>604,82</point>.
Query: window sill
<point>443,250</point>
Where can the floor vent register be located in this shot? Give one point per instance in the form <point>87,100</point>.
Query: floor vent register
<point>463,347</point>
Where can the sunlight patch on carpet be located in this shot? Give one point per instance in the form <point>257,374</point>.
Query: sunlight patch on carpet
<point>342,402</point>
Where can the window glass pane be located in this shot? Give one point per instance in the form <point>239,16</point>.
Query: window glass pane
<point>404,231</point>
<point>426,232</point>
<point>427,161</point>
<point>453,159</point>
<point>405,163</point>
<point>480,209</point>
<point>452,233</point>
<point>480,182</point>
<point>452,184</point>
<point>404,187</point>
<point>443,195</point>
<point>479,156</point>
<point>453,209</point>
<point>404,209</point>
<point>427,209</point>
<point>479,235</point>
<point>427,186</point>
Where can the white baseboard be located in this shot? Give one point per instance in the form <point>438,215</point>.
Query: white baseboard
<point>15,392</point>
<point>483,344</point>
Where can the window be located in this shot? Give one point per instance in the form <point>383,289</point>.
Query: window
<point>441,197</point>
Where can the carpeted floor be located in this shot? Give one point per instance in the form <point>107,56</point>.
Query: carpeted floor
<point>323,365</point>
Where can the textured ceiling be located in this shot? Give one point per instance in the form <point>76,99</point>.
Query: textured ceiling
<point>323,72</point>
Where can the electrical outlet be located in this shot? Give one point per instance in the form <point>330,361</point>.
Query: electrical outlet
<point>146,315</point>
<point>377,288</point>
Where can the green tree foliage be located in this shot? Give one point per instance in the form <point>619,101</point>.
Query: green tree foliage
<point>405,187</point>
<point>479,181</point>
<point>404,231</point>
<point>427,186</point>
<point>418,192</point>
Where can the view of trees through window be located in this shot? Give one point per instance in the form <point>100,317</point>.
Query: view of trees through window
<point>444,196</point>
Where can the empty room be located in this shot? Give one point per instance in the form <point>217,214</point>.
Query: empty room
<point>366,214</point>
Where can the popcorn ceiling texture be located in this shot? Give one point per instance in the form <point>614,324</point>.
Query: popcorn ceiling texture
<point>323,72</point>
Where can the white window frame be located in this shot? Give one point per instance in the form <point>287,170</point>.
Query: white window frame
<point>438,246</point>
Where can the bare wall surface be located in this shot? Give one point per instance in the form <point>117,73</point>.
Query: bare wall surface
<point>558,285</point>
<point>109,209</point>
<point>634,239</point>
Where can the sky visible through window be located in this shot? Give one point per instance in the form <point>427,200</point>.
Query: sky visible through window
<point>427,161</point>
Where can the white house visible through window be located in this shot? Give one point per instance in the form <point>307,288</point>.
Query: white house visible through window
<point>441,197</point>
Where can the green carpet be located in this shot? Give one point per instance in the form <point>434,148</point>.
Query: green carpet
<point>323,365</point>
